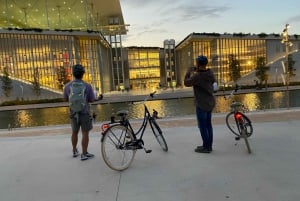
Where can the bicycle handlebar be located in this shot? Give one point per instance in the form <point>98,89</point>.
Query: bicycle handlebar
<point>146,98</point>
<point>230,95</point>
<point>152,94</point>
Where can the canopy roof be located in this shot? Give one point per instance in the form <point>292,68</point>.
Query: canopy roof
<point>96,15</point>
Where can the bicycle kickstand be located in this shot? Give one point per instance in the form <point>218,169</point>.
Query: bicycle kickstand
<point>147,151</point>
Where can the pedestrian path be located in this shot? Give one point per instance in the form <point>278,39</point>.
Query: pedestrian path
<point>41,167</point>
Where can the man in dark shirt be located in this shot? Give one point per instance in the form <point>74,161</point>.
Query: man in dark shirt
<point>82,120</point>
<point>202,79</point>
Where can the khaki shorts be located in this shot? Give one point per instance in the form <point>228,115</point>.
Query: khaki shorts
<point>84,122</point>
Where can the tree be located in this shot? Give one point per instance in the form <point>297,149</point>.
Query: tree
<point>36,87</point>
<point>261,70</point>
<point>6,83</point>
<point>234,68</point>
<point>61,77</point>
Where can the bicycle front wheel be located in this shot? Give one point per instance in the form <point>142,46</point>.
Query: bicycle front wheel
<point>233,125</point>
<point>113,147</point>
<point>158,135</point>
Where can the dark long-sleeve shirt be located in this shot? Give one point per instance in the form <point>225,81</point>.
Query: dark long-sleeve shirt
<point>202,83</point>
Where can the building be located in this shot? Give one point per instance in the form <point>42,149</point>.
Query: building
<point>169,64</point>
<point>41,40</point>
<point>223,50</point>
<point>144,70</point>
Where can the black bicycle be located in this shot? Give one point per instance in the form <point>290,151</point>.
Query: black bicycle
<point>120,142</point>
<point>238,123</point>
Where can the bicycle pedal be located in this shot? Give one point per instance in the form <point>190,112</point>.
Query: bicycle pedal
<point>237,138</point>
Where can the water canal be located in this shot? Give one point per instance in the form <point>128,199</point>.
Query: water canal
<point>166,108</point>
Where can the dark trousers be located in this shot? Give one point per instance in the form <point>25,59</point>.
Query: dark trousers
<point>205,127</point>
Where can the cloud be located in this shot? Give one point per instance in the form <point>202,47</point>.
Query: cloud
<point>149,30</point>
<point>155,19</point>
<point>141,3</point>
<point>295,19</point>
<point>190,12</point>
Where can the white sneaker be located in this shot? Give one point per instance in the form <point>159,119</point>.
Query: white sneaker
<point>86,156</point>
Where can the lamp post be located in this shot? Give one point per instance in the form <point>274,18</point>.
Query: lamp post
<point>287,43</point>
<point>22,91</point>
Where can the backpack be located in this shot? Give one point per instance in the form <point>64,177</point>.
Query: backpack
<point>77,97</point>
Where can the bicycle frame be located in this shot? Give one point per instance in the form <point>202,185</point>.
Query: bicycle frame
<point>141,130</point>
<point>124,120</point>
<point>119,142</point>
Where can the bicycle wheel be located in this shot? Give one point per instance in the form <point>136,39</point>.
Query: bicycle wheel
<point>113,149</point>
<point>233,126</point>
<point>158,134</point>
<point>243,135</point>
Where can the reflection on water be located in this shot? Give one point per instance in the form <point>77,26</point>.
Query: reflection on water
<point>165,108</point>
<point>23,118</point>
<point>277,99</point>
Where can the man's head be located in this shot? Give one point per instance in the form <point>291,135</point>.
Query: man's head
<point>201,60</point>
<point>78,71</point>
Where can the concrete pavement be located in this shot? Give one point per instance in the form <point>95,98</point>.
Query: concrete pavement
<point>41,168</point>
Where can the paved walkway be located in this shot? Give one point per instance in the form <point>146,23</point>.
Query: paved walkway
<point>36,165</point>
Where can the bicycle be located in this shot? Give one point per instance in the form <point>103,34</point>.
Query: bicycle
<point>120,142</point>
<point>238,123</point>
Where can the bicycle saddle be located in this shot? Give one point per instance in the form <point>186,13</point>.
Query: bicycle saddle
<point>236,104</point>
<point>122,113</point>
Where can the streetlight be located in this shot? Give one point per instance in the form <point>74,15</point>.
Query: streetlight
<point>285,40</point>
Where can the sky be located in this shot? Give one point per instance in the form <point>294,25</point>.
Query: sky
<point>153,21</point>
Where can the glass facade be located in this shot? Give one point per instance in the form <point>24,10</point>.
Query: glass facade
<point>144,68</point>
<point>50,58</point>
<point>244,51</point>
<point>47,57</point>
<point>221,52</point>
<point>41,40</point>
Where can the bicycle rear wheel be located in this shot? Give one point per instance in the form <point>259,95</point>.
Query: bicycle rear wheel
<point>158,134</point>
<point>113,147</point>
<point>233,126</point>
<point>246,140</point>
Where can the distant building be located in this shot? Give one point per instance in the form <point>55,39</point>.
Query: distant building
<point>221,49</point>
<point>169,65</point>
<point>143,67</point>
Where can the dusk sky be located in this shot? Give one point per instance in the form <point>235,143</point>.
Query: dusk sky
<point>153,21</point>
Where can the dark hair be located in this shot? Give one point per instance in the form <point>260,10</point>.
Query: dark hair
<point>202,60</point>
<point>78,71</point>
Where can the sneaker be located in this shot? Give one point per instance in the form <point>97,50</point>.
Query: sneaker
<point>201,149</point>
<point>86,156</point>
<point>75,153</point>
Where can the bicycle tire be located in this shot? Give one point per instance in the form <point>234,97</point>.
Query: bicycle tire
<point>158,135</point>
<point>112,144</point>
<point>246,141</point>
<point>233,126</point>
